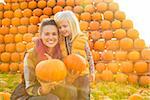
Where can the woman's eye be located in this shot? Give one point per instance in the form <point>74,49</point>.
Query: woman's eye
<point>54,34</point>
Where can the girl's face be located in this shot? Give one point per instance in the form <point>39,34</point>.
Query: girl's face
<point>49,35</point>
<point>64,28</point>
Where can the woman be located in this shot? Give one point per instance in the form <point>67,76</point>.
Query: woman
<point>72,40</point>
<point>46,47</point>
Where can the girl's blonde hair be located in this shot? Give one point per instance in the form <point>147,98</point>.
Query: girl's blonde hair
<point>72,20</point>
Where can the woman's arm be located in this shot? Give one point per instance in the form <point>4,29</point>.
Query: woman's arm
<point>31,83</point>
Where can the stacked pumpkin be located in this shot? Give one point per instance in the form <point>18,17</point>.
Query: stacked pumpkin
<point>114,42</point>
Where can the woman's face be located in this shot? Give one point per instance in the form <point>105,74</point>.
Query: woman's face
<point>64,28</point>
<point>49,35</point>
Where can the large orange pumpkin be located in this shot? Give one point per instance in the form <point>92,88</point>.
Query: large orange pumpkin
<point>121,55</point>
<point>146,54</point>
<point>75,62</point>
<point>5,96</point>
<point>51,70</point>
<point>139,44</point>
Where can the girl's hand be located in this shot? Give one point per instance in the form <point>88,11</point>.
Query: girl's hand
<point>72,76</point>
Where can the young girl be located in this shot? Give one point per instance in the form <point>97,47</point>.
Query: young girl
<point>72,40</point>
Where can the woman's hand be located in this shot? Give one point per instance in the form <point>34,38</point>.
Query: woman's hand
<point>72,76</point>
<point>46,87</point>
<point>48,56</point>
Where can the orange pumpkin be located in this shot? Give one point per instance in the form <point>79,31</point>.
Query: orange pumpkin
<point>15,57</point>
<point>105,25</point>
<point>116,24</point>
<point>15,21</point>
<point>51,3</point>
<point>32,5</point>
<point>75,62</point>
<point>113,67</point>
<point>13,30</point>
<point>95,35</point>
<point>78,9</point>
<point>112,45</point>
<point>107,55</point>
<point>15,6</point>
<point>141,67</point>
<point>70,2</point>
<point>100,67</point>
<point>27,12</point>
<point>4,30</point>
<point>85,16</point>
<point>5,95</point>
<point>24,21</point>
<point>57,9</point>
<point>61,3</point>
<point>34,20</point>
<point>113,6</point>
<point>23,5</point>
<point>47,11</point>
<point>135,97</point>
<point>144,80</point>
<point>96,16</point>
<point>121,55</point>
<point>133,78</point>
<point>145,54</point>
<point>18,13</point>
<point>27,37</point>
<point>10,47</point>
<point>51,70</point>
<point>5,57</point>
<point>9,38</point>
<point>121,78</point>
<point>89,8</point>
<point>101,7</point>
<point>43,17</point>
<point>107,75</point>
<point>20,47</point>
<point>37,12</point>
<point>6,22</point>
<point>127,24</point>
<point>84,25</point>
<point>14,67</point>
<point>8,14</point>
<point>107,34</point>
<point>32,29</point>
<point>22,29</point>
<point>99,45</point>
<point>108,15</point>
<point>133,33</point>
<point>139,44</point>
<point>126,66</point>
<point>134,55</point>
<point>94,25</point>
<point>126,43</point>
<point>18,38</point>
<point>120,15</point>
<point>119,33</point>
<point>41,4</point>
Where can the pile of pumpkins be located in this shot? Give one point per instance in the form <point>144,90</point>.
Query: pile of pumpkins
<point>118,52</point>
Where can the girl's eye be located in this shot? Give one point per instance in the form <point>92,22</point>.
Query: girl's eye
<point>54,33</point>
